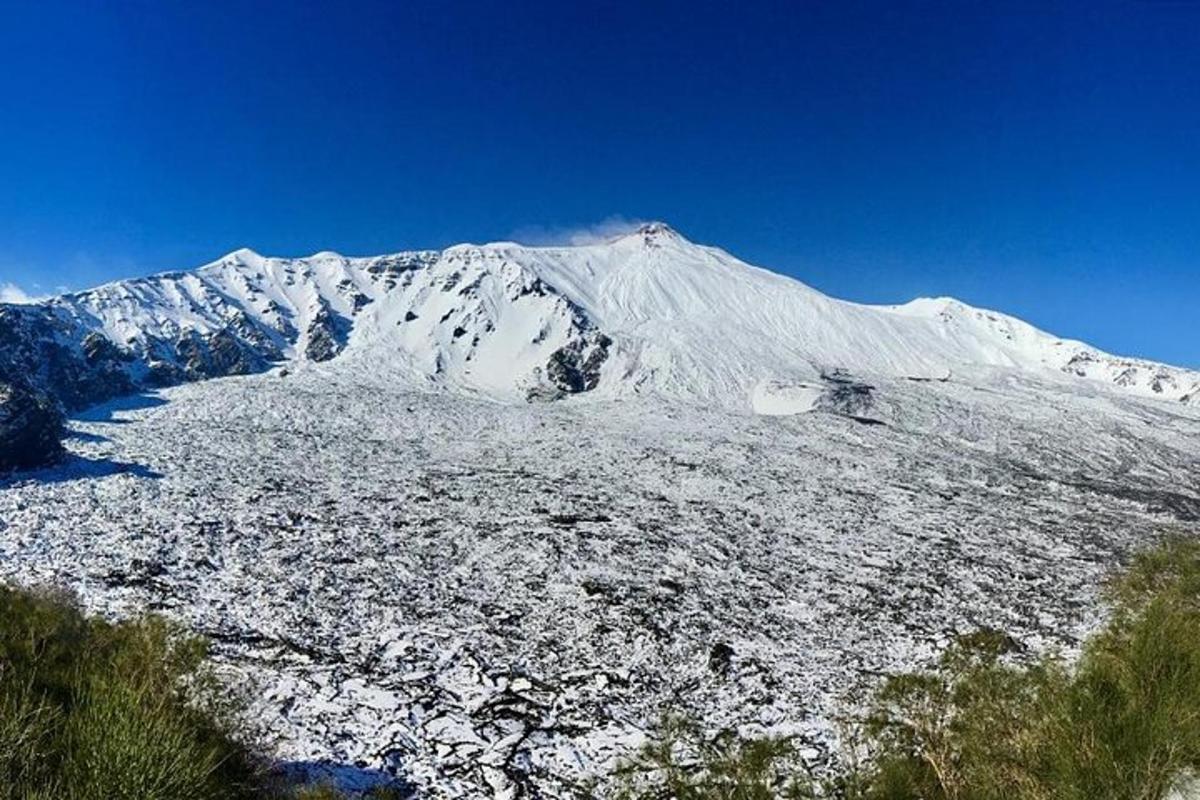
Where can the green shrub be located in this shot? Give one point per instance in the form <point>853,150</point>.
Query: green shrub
<point>971,728</point>
<point>679,762</point>
<point>325,791</point>
<point>91,710</point>
<point>1122,723</point>
<point>1129,722</point>
<point>28,727</point>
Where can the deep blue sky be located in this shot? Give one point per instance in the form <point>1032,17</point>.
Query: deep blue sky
<point>1040,158</point>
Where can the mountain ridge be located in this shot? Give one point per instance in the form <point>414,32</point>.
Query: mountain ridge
<point>644,312</point>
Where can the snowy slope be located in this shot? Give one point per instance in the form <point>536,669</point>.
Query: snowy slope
<point>649,312</point>
<point>496,599</point>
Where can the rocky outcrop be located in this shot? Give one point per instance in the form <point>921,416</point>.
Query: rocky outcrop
<point>225,352</point>
<point>31,429</point>
<point>327,334</point>
<point>54,353</point>
<point>57,356</point>
<point>575,367</point>
<point>845,395</point>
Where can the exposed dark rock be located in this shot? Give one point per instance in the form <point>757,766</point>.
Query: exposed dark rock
<point>229,357</point>
<point>98,349</point>
<point>575,367</point>
<point>190,351</point>
<point>845,394</point>
<point>31,428</point>
<point>673,586</point>
<point>570,520</point>
<point>39,348</point>
<point>849,397</point>
<point>44,348</point>
<point>1128,377</point>
<point>164,373</point>
<point>222,353</point>
<point>534,287</point>
<point>327,335</point>
<point>720,658</point>
<point>594,588</point>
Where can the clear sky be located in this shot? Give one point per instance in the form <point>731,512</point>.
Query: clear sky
<point>1039,158</point>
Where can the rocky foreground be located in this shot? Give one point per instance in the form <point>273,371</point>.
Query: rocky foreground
<point>483,598</point>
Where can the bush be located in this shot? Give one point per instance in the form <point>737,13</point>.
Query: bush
<point>1128,724</point>
<point>1123,723</point>
<point>969,728</point>
<point>679,762</point>
<point>92,710</point>
<point>324,791</point>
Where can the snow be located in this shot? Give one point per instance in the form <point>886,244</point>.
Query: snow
<point>687,321</point>
<point>776,400</point>
<point>489,597</point>
<point>420,567</point>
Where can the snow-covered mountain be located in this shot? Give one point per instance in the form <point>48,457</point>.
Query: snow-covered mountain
<point>645,313</point>
<point>498,599</point>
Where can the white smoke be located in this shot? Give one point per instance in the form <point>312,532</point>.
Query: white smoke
<point>595,233</point>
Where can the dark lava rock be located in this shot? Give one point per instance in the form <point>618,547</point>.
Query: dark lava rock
<point>99,349</point>
<point>720,658</point>
<point>327,334</point>
<point>58,357</point>
<point>849,397</point>
<point>571,520</point>
<point>845,395</point>
<point>31,429</point>
<point>575,367</point>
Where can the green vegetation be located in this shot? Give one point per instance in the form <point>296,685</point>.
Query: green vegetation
<point>323,791</point>
<point>682,764</point>
<point>1122,723</point>
<point>92,710</point>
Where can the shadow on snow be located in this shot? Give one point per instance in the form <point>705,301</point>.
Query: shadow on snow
<point>74,468</point>
<point>105,411</point>
<point>345,777</point>
<point>84,436</point>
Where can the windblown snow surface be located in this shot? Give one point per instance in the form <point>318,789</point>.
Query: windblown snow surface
<point>504,506</point>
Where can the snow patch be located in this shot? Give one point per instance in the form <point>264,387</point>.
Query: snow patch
<point>777,400</point>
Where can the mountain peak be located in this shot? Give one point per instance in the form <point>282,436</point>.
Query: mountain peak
<point>243,255</point>
<point>657,229</point>
<point>653,234</point>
